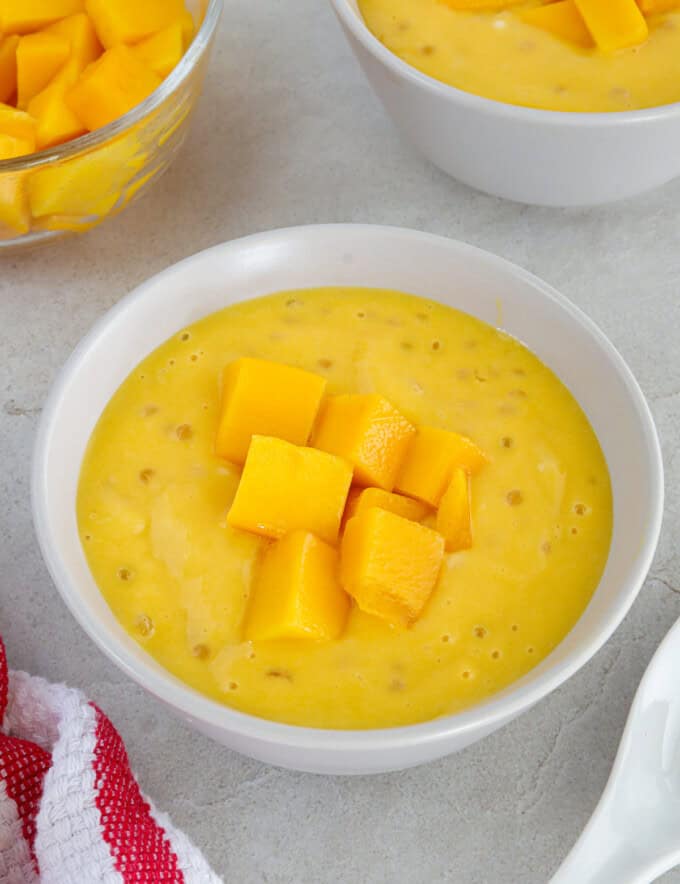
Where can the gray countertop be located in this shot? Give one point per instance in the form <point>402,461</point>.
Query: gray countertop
<point>288,133</point>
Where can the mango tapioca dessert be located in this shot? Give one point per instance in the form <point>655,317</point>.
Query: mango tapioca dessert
<point>569,55</point>
<point>345,508</point>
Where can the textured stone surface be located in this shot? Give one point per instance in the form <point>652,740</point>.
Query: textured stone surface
<point>288,133</point>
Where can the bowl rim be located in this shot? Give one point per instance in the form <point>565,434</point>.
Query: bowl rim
<point>481,718</point>
<point>354,22</point>
<point>91,140</point>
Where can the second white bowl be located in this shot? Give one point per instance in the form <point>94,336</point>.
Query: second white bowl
<point>351,255</point>
<point>547,158</point>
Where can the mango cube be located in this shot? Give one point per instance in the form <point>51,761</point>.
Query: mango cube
<point>39,57</point>
<point>454,518</point>
<point>562,20</point>
<point>8,67</point>
<point>614,24</point>
<point>430,460</point>
<point>55,122</point>
<point>162,52</point>
<point>11,147</point>
<point>15,218</point>
<point>110,87</point>
<point>26,16</point>
<point>390,565</point>
<point>284,487</point>
<point>84,45</point>
<point>361,499</point>
<point>130,21</point>
<point>17,124</point>
<point>369,432</point>
<point>266,399</point>
<point>296,593</point>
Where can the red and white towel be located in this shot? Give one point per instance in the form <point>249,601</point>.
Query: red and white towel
<point>71,811</point>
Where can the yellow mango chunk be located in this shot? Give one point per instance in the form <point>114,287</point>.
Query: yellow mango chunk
<point>369,432</point>
<point>130,21</point>
<point>17,123</point>
<point>39,57</point>
<point>430,459</point>
<point>85,47</point>
<point>55,122</point>
<point>390,565</point>
<point>296,593</point>
<point>284,487</point>
<point>266,399</point>
<point>111,87</point>
<point>88,185</point>
<point>163,51</point>
<point>614,24</point>
<point>562,20</point>
<point>454,518</point>
<point>15,217</point>
<point>8,67</point>
<point>26,16</point>
<point>361,499</point>
<point>11,147</point>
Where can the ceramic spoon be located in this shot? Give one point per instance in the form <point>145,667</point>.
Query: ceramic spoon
<point>634,835</point>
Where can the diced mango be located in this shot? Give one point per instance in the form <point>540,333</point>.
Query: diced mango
<point>614,24</point>
<point>266,399</point>
<point>430,459</point>
<point>39,57</point>
<point>186,21</point>
<point>130,21</point>
<point>55,122</point>
<point>15,217</point>
<point>163,51</point>
<point>296,593</point>
<point>17,123</point>
<point>562,20</point>
<point>284,487</point>
<point>8,67</point>
<point>11,147</point>
<point>454,518</point>
<point>85,48</point>
<point>111,87</point>
<point>26,16</point>
<point>369,432</point>
<point>390,565</point>
<point>88,185</point>
<point>361,499</point>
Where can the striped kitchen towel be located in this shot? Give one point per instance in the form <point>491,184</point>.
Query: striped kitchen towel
<point>71,811</point>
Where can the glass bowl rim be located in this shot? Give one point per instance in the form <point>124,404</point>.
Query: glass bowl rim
<point>85,143</point>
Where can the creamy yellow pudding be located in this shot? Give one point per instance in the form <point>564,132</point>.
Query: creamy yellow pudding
<point>499,56</point>
<point>154,497</point>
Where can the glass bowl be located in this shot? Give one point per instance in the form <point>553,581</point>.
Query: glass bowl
<point>77,185</point>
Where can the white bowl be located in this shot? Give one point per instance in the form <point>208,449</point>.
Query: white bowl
<point>548,158</point>
<point>351,255</point>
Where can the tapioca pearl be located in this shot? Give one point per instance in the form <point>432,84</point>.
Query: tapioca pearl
<point>514,497</point>
<point>144,625</point>
<point>422,317</point>
<point>480,631</point>
<point>467,674</point>
<point>436,345</point>
<point>446,638</point>
<point>520,372</point>
<point>531,649</point>
<point>515,627</point>
<point>397,684</point>
<point>507,442</point>
<point>361,314</point>
<point>581,509</point>
<point>574,531</point>
<point>193,357</point>
<point>146,475</point>
<point>496,654</point>
<point>294,302</point>
<point>428,49</point>
<point>325,363</point>
<point>184,432</point>
<point>233,686</point>
<point>185,336</point>
<point>125,574</point>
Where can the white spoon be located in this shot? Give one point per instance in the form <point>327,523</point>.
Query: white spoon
<point>633,836</point>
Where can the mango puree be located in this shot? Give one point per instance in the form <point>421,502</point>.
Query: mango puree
<point>153,501</point>
<point>498,56</point>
